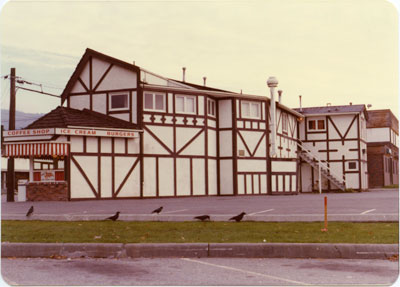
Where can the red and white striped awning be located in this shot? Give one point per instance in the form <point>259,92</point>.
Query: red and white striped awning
<point>41,149</point>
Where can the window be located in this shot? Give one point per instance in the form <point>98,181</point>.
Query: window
<point>185,104</point>
<point>250,110</point>
<point>316,125</point>
<point>352,165</point>
<point>211,111</point>
<point>284,122</point>
<point>154,101</point>
<point>119,101</point>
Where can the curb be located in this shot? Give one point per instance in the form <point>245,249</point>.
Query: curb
<point>244,250</point>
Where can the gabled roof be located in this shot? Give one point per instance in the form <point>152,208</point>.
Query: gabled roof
<point>81,65</point>
<point>351,109</point>
<point>62,117</point>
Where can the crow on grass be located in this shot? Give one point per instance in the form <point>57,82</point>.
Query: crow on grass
<point>238,217</point>
<point>203,217</point>
<point>114,217</point>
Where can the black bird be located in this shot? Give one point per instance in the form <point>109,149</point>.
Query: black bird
<point>114,217</point>
<point>158,210</point>
<point>30,211</point>
<point>239,217</point>
<point>203,217</point>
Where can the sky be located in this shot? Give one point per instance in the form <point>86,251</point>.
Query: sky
<point>328,51</point>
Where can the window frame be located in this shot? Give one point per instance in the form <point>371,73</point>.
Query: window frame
<point>209,103</point>
<point>185,97</point>
<point>110,95</point>
<point>316,125</point>
<point>153,109</point>
<point>285,123</point>
<point>250,116</point>
<point>351,168</point>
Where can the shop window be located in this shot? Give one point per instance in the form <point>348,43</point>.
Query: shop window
<point>211,111</point>
<point>154,101</point>
<point>316,125</point>
<point>251,110</point>
<point>185,104</point>
<point>119,102</point>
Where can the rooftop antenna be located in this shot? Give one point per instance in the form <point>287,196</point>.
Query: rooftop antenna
<point>301,109</point>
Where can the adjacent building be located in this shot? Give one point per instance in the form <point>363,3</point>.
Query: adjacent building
<point>383,148</point>
<point>333,143</point>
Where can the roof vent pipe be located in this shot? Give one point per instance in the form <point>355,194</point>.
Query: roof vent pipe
<point>183,72</point>
<point>301,109</point>
<point>279,96</point>
<point>204,81</point>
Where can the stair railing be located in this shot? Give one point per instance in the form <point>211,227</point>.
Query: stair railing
<point>320,164</point>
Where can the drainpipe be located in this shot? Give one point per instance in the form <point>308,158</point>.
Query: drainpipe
<point>272,83</point>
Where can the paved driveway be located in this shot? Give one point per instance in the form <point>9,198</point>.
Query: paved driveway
<point>376,205</point>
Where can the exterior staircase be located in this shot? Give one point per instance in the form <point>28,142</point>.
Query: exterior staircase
<point>324,169</point>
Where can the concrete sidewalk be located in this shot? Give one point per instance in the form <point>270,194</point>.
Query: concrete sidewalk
<point>244,250</point>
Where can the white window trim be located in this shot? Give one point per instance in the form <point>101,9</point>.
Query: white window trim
<point>215,108</point>
<point>251,103</point>
<point>316,125</point>
<point>118,94</point>
<point>184,104</point>
<point>154,102</point>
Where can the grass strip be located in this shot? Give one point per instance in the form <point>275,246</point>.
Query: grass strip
<point>190,232</point>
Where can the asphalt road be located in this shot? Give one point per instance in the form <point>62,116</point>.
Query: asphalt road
<point>376,205</point>
<point>204,271</point>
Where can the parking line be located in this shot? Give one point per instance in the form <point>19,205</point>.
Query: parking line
<point>260,211</point>
<point>174,211</point>
<point>367,211</point>
<point>246,271</point>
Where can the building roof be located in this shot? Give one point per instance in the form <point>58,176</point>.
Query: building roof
<point>382,118</point>
<point>62,117</point>
<point>199,87</point>
<point>332,110</point>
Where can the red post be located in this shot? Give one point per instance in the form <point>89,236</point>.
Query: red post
<point>326,214</point>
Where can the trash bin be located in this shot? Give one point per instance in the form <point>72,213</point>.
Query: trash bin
<point>22,183</point>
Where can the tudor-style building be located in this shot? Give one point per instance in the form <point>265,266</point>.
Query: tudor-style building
<point>172,138</point>
<point>335,136</point>
<point>383,148</point>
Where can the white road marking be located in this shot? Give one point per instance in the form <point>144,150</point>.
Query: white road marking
<point>245,271</point>
<point>173,211</point>
<point>367,211</point>
<point>260,211</point>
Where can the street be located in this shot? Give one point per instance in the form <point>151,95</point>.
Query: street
<point>198,271</point>
<point>375,205</point>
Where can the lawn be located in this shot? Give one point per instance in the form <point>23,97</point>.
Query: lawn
<point>189,232</point>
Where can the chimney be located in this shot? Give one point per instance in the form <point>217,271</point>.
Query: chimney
<point>183,70</point>
<point>301,109</point>
<point>279,96</point>
<point>204,81</point>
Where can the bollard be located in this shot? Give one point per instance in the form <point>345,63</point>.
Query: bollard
<point>326,214</point>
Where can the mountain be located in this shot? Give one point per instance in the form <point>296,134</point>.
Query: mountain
<point>21,119</point>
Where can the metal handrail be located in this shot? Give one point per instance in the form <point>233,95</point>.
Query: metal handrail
<point>320,162</point>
